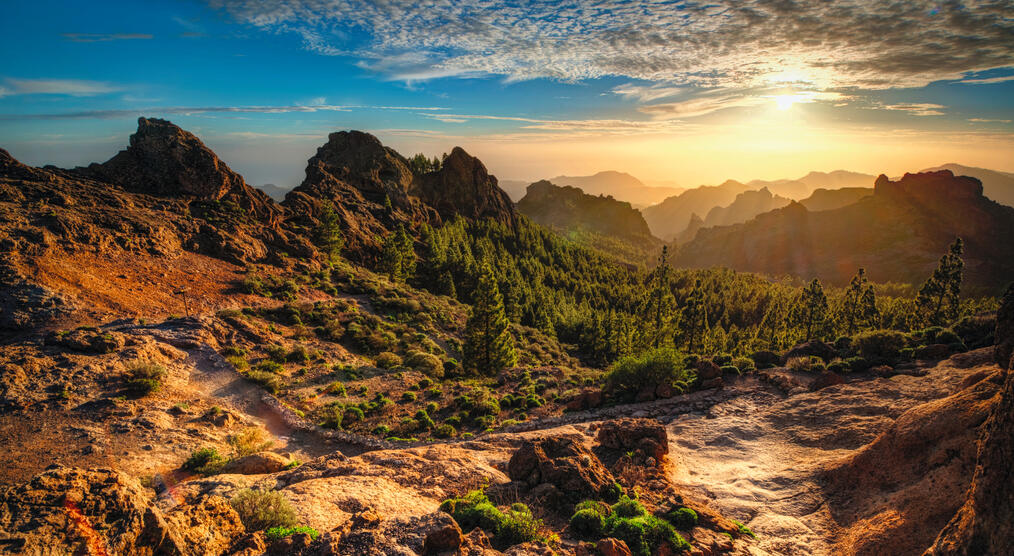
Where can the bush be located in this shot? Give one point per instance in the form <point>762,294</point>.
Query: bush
<point>803,364</point>
<point>484,407</point>
<point>730,370</point>
<point>408,397</point>
<point>682,518</point>
<point>250,441</point>
<point>239,362</point>
<point>723,359</point>
<point>425,363</point>
<point>858,364</point>
<point>838,366</point>
<point>425,383</point>
<point>612,492</point>
<point>432,407</point>
<point>336,389</point>
<point>388,360</point>
<point>880,345</point>
<point>976,331</point>
<point>269,367</point>
<point>445,431</point>
<point>587,524</point>
<point>744,364</point>
<point>354,415</point>
<point>276,353</point>
<point>144,378</point>
<point>628,507</point>
<point>299,354</point>
<point>660,366</point>
<point>331,416</point>
<point>269,381</point>
<point>206,461</point>
<point>513,526</point>
<point>278,533</point>
<point>263,509</point>
<point>644,533</point>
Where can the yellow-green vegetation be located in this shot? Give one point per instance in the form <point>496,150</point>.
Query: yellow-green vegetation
<point>263,509</point>
<point>506,527</point>
<point>144,378</point>
<point>206,461</point>
<point>250,441</point>
<point>657,366</point>
<point>278,533</point>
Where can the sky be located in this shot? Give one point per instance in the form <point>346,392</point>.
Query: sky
<point>672,92</point>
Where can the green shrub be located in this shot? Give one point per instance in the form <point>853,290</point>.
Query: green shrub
<point>263,509</point>
<point>730,370</point>
<point>880,345</point>
<point>628,507</point>
<point>206,461</point>
<point>331,416</point>
<point>587,524</point>
<point>432,407</point>
<point>976,331</point>
<point>445,431</point>
<point>516,525</point>
<point>354,415</point>
<point>269,381</point>
<point>660,366</point>
<point>233,351</point>
<point>276,353</point>
<point>682,518</point>
<point>723,359</point>
<point>278,533</point>
<point>744,364</point>
<point>388,360</point>
<point>144,378</point>
<point>803,364</point>
<point>838,366</point>
<point>269,367</point>
<point>298,354</point>
<point>408,397</point>
<point>743,529</point>
<point>425,383</point>
<point>858,364</point>
<point>336,389</point>
<point>612,493</point>
<point>382,430</point>
<point>485,407</point>
<point>250,441</point>
<point>425,363</point>
<point>239,362</point>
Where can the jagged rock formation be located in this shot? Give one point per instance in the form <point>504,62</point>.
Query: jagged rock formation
<point>998,186</point>
<point>619,185</point>
<point>569,208</point>
<point>164,160</point>
<point>696,223</point>
<point>747,205</point>
<point>462,186</point>
<point>830,199</point>
<point>359,176</point>
<point>985,522</point>
<point>897,234</point>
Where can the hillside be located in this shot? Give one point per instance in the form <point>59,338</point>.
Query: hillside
<point>998,186</point>
<point>747,205</point>
<point>670,217</point>
<point>897,234</point>
<point>597,221</point>
<point>619,185</point>
<point>829,199</point>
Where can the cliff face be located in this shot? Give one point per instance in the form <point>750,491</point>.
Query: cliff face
<point>462,186</point>
<point>747,205</point>
<point>164,160</point>
<point>897,234</point>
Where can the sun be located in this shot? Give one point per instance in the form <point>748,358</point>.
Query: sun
<point>784,102</point>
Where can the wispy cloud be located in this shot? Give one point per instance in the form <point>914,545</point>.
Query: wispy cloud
<point>867,44</point>
<point>989,121</point>
<point>104,37</point>
<point>191,110</point>
<point>917,109</point>
<point>72,87</point>
<point>647,93</point>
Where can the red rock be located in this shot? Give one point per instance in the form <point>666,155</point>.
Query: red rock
<point>612,547</point>
<point>443,539</point>
<point>825,379</point>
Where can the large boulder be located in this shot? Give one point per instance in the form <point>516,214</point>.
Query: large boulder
<point>257,464</point>
<point>102,511</point>
<point>644,435</point>
<point>563,462</point>
<point>812,348</point>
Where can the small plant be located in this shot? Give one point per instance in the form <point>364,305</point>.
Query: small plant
<point>277,533</point>
<point>515,525</point>
<point>588,523</point>
<point>298,354</point>
<point>293,464</point>
<point>743,529</point>
<point>408,397</point>
<point>744,364</point>
<point>263,509</point>
<point>238,361</point>
<point>206,461</point>
<point>445,431</point>
<point>276,353</point>
<point>335,389</point>
<point>250,441</point>
<point>628,507</point>
<point>682,518</point>
<point>802,364</point>
<point>144,378</point>
<point>388,360</point>
<point>269,381</point>
<point>269,367</point>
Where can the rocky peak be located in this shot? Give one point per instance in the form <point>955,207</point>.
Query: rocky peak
<point>934,187</point>
<point>463,186</point>
<point>360,160</point>
<point>163,159</point>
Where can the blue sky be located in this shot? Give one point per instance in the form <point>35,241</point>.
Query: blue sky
<point>668,91</point>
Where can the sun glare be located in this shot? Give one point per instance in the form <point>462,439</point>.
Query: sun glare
<point>784,102</point>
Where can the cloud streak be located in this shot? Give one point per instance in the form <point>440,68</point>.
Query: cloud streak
<point>190,110</point>
<point>105,37</point>
<point>71,87</point>
<point>867,44</point>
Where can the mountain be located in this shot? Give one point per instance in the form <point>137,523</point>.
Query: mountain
<point>897,234</point>
<point>837,179</point>
<point>747,205</point>
<point>792,189</point>
<point>598,221</point>
<point>670,217</point>
<point>998,186</point>
<point>515,188</point>
<point>276,192</point>
<point>828,199</point>
<point>620,185</point>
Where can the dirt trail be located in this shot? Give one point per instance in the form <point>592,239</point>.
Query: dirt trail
<point>757,457</point>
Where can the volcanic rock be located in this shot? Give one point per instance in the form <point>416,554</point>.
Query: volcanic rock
<point>463,186</point>
<point>563,462</point>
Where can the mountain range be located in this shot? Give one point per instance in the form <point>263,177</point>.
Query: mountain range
<point>619,185</point>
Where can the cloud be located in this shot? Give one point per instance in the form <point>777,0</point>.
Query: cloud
<point>917,109</point>
<point>987,80</point>
<point>866,44</point>
<point>190,110</point>
<point>104,37</point>
<point>988,121</point>
<point>647,93</point>
<point>72,87</point>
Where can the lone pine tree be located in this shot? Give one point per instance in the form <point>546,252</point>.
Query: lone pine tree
<point>328,233</point>
<point>859,305</point>
<point>938,297</point>
<point>811,308</point>
<point>489,346</point>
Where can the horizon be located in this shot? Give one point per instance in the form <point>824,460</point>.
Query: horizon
<point>532,91</point>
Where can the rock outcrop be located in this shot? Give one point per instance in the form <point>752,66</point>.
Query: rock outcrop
<point>462,186</point>
<point>164,160</point>
<point>570,209</point>
<point>563,463</point>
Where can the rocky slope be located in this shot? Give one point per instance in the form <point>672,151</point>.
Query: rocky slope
<point>619,185</point>
<point>746,206</point>
<point>897,234</point>
<point>670,217</point>
<point>830,199</point>
<point>998,186</point>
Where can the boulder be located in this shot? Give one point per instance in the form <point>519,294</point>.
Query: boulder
<point>587,398</point>
<point>257,464</point>
<point>810,348</point>
<point>707,370</point>
<point>445,537</point>
<point>825,379</point>
<point>933,352</point>
<point>764,359</point>
<point>563,462</point>
<point>645,435</point>
<point>612,547</point>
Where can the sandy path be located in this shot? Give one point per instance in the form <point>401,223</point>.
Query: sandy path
<point>756,457</point>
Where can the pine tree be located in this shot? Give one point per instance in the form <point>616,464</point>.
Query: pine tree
<point>695,317</point>
<point>489,346</point>
<point>811,308</point>
<point>659,306</point>
<point>328,233</point>
<point>397,257</point>
<point>859,305</point>
<point>938,298</point>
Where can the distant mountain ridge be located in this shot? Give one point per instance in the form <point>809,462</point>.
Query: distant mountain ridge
<point>276,192</point>
<point>670,217</point>
<point>620,185</point>
<point>897,234</point>
<point>998,186</point>
<point>597,220</point>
